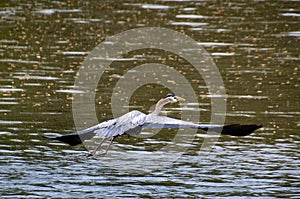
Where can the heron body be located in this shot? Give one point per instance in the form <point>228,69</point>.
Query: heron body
<point>134,121</point>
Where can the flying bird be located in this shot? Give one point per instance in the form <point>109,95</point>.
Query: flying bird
<point>134,121</point>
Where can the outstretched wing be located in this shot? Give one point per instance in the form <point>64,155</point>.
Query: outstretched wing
<point>129,122</point>
<point>134,121</point>
<point>167,122</point>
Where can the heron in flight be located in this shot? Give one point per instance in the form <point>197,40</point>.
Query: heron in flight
<point>134,121</point>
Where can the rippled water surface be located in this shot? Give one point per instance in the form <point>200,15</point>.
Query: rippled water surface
<point>255,46</point>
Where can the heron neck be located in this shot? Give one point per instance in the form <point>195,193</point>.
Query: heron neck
<point>159,105</point>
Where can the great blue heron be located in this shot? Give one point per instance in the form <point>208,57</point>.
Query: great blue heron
<point>132,123</point>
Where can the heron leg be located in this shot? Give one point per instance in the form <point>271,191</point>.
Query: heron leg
<point>99,145</point>
<point>107,148</point>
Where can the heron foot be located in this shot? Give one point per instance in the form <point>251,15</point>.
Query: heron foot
<point>91,153</point>
<point>99,155</point>
<point>103,153</point>
<point>95,154</point>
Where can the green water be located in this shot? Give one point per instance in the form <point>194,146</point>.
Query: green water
<point>255,46</point>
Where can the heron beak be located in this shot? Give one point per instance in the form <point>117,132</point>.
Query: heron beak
<point>180,99</point>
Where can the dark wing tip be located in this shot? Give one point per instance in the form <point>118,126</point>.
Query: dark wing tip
<point>240,129</point>
<point>71,139</point>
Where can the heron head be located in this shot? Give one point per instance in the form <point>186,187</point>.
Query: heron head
<point>173,98</point>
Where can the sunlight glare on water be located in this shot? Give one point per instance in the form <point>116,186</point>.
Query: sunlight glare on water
<point>255,46</point>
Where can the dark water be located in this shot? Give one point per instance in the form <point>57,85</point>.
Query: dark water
<point>255,46</point>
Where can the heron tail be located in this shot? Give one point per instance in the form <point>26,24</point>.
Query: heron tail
<point>236,129</point>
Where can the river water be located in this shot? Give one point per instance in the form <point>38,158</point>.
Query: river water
<point>255,46</point>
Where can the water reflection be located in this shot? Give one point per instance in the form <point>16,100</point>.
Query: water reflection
<point>254,44</point>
